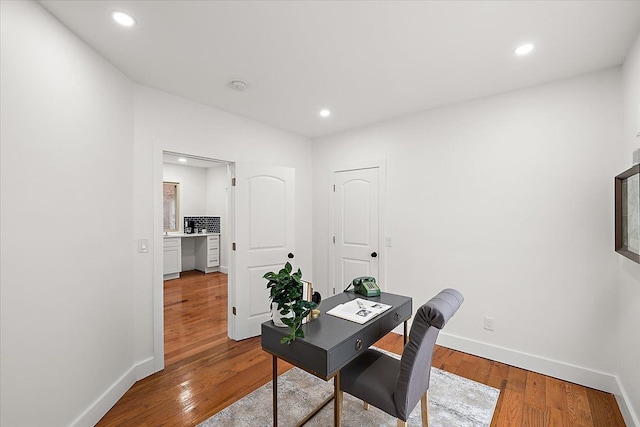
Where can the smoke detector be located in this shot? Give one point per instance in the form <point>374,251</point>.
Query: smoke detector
<point>239,85</point>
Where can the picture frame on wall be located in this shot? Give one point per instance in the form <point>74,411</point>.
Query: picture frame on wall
<point>627,213</point>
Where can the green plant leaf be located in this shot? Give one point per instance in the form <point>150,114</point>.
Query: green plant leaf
<point>286,340</point>
<point>285,290</point>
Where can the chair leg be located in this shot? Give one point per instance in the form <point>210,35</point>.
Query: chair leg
<point>365,405</point>
<point>424,409</point>
<point>402,423</point>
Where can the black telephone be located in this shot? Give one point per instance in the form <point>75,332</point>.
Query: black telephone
<point>366,286</point>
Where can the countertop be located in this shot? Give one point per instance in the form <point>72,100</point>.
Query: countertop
<point>170,235</point>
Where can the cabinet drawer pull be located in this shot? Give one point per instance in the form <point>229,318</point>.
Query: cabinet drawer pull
<point>358,344</point>
<point>396,317</point>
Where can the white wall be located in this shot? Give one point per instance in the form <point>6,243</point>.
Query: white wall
<point>72,316</point>
<point>67,303</point>
<point>628,349</point>
<point>217,187</point>
<point>165,122</point>
<point>508,199</point>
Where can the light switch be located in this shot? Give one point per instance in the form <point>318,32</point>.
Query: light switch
<point>143,246</point>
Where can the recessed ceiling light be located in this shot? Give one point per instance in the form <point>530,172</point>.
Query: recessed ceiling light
<point>524,49</point>
<point>182,160</point>
<point>123,19</point>
<point>325,113</point>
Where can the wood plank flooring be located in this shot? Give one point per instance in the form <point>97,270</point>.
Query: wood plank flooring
<point>205,372</point>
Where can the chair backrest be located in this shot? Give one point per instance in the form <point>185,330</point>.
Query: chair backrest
<point>415,365</point>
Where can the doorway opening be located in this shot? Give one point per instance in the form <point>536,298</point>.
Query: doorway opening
<point>262,240</point>
<point>196,253</point>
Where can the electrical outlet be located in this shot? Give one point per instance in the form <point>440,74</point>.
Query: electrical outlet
<point>488,323</point>
<point>387,241</point>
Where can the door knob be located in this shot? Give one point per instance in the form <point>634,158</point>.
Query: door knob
<point>290,255</point>
<point>374,254</point>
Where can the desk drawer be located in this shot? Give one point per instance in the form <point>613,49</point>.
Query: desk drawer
<point>394,317</point>
<point>298,353</point>
<point>352,347</point>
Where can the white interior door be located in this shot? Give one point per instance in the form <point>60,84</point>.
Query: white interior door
<point>264,238</point>
<point>356,216</point>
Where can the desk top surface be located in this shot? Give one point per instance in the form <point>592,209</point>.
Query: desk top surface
<point>181,235</point>
<point>329,331</point>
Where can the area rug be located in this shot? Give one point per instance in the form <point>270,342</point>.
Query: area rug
<point>453,401</point>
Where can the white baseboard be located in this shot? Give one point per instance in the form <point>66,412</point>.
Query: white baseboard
<point>630,417</point>
<point>224,269</point>
<point>565,371</point>
<point>101,406</point>
<point>553,368</point>
<point>145,368</point>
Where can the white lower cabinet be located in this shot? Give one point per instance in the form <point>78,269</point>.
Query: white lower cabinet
<point>213,251</point>
<point>208,254</point>
<point>172,265</point>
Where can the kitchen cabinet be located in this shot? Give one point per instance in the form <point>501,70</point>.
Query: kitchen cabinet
<point>208,253</point>
<point>172,258</point>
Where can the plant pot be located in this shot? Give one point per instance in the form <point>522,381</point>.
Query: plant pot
<point>276,316</point>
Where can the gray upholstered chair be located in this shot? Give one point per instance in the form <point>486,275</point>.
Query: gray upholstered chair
<point>396,386</point>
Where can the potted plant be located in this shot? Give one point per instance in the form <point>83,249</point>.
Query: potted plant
<point>286,293</point>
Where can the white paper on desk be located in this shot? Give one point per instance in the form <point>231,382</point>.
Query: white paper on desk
<point>359,310</point>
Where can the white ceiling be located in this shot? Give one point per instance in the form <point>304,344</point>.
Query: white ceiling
<point>366,61</point>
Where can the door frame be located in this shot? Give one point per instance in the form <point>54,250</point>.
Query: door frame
<point>158,230</point>
<point>381,165</point>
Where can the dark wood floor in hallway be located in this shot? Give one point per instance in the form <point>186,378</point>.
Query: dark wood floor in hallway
<point>205,372</point>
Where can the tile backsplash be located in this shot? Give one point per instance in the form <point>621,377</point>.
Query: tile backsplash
<point>211,223</point>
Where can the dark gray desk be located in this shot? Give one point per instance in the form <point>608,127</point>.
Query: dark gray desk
<point>331,342</point>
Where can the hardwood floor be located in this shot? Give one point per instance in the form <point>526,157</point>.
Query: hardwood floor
<point>205,372</point>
